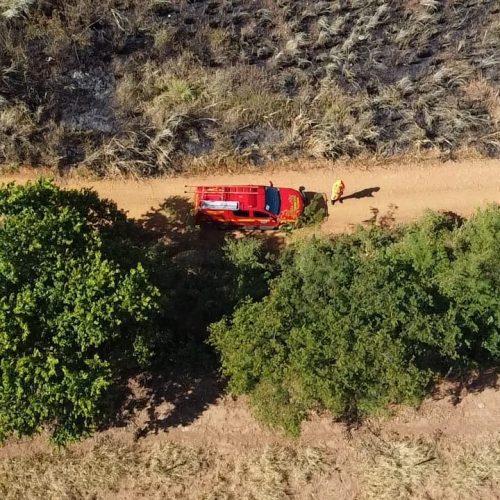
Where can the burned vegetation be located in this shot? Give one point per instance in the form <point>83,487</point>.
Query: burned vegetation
<point>152,87</point>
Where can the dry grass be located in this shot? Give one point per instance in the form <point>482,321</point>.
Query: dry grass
<point>381,468</point>
<point>106,468</point>
<point>411,76</point>
<point>11,9</point>
<point>479,92</point>
<point>164,38</point>
<point>414,469</point>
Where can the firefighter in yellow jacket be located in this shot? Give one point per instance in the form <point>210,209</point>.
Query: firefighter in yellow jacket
<point>337,191</point>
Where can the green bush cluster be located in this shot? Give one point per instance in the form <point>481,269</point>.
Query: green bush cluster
<point>74,308</point>
<point>361,321</point>
<point>87,298</point>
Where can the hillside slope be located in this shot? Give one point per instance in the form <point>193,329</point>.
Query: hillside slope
<point>149,86</point>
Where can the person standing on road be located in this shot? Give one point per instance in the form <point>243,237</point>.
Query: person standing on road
<point>337,191</point>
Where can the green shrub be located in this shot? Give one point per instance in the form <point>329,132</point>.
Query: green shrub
<point>359,322</point>
<point>249,268</point>
<point>473,284</point>
<point>315,211</point>
<point>74,308</point>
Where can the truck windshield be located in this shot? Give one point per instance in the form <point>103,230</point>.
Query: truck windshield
<point>273,201</point>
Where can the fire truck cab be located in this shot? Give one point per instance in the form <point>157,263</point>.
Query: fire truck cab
<point>247,206</point>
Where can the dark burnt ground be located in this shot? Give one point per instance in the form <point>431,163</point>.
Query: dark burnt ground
<point>150,87</point>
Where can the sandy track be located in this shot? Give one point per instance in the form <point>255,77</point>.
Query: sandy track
<point>460,187</point>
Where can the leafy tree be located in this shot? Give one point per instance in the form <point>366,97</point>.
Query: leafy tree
<point>358,322</point>
<point>74,308</point>
<point>472,284</point>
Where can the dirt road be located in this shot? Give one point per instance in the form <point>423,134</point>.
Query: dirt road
<point>460,187</point>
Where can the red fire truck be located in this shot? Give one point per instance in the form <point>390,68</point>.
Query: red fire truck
<point>248,206</point>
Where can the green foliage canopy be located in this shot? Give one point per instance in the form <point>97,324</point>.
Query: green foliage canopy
<point>358,322</point>
<point>74,309</point>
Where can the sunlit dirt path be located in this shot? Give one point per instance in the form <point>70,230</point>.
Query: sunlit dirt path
<point>406,190</point>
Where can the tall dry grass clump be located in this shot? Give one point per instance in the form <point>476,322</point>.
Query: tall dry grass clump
<point>426,468</point>
<point>147,88</point>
